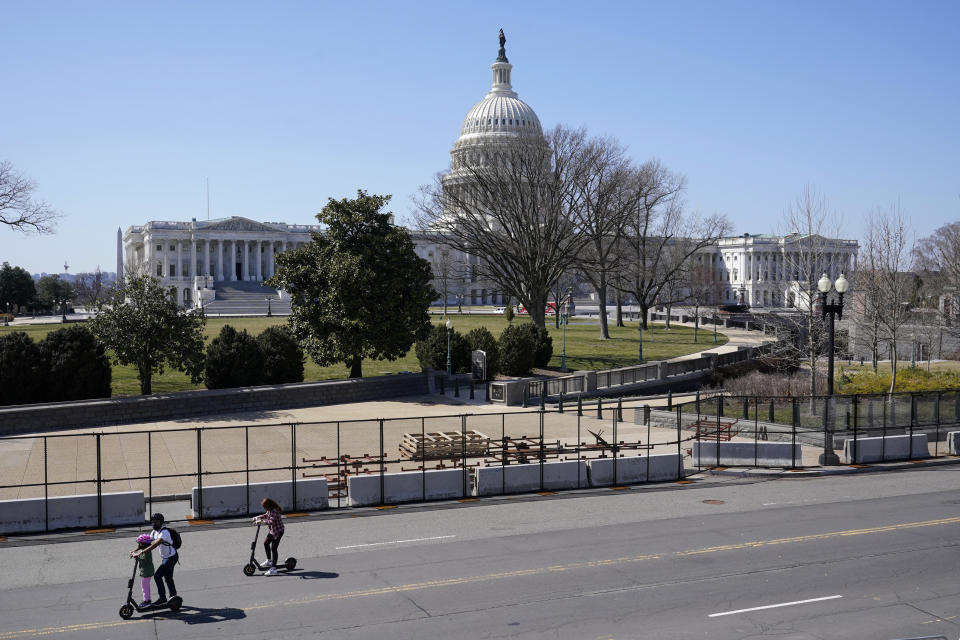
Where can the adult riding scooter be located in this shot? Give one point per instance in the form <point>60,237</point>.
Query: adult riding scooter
<point>251,567</point>
<point>126,611</point>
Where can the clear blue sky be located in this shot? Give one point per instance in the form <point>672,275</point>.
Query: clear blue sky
<point>121,111</point>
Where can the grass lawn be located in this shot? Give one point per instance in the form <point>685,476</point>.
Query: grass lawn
<point>584,349</point>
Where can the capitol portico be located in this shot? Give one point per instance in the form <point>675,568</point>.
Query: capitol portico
<point>193,256</point>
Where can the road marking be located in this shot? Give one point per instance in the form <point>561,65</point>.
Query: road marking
<point>490,577</point>
<point>374,544</point>
<point>773,606</point>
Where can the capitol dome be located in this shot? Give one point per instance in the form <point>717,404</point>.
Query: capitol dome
<point>500,118</point>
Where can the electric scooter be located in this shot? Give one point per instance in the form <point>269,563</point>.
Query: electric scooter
<point>251,567</point>
<point>126,611</point>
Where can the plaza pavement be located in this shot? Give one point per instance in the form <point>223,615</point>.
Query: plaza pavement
<point>324,433</point>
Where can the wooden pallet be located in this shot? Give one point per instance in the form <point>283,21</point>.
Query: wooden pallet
<point>444,444</point>
<point>710,429</point>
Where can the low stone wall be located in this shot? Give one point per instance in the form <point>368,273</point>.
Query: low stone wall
<point>634,469</point>
<point>68,512</point>
<point>405,486</point>
<point>231,499</point>
<point>166,406</point>
<point>882,449</point>
<point>523,478</point>
<point>747,454</point>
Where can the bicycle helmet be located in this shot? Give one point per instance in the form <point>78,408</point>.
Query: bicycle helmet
<point>144,538</point>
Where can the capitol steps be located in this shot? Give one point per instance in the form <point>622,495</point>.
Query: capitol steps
<point>246,299</point>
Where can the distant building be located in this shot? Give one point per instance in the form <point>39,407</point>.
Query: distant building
<point>194,256</point>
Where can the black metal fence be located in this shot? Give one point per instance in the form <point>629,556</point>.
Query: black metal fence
<point>168,464</point>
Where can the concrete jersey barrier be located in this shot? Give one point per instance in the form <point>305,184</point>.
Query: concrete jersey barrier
<point>523,478</point>
<point>405,486</point>
<point>885,448</point>
<point>634,469</point>
<point>733,454</point>
<point>231,499</point>
<point>27,515</point>
<point>953,443</point>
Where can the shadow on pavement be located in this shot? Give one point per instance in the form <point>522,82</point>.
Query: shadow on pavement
<point>200,615</point>
<point>312,575</point>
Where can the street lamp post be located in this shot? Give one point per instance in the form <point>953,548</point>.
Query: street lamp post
<point>449,333</point>
<point>564,319</point>
<point>831,309</point>
<point>269,311</point>
<point>714,327</point>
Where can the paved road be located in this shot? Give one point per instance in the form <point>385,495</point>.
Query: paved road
<point>869,556</point>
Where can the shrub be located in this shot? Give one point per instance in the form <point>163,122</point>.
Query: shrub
<point>908,379</point>
<point>543,344</point>
<point>432,351</point>
<point>22,369</point>
<point>282,356</point>
<point>77,365</point>
<point>517,349</point>
<point>233,360</point>
<point>481,338</point>
<point>508,313</point>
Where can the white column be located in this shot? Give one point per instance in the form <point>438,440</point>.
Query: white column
<point>245,269</point>
<point>179,259</point>
<point>166,258</point>
<point>220,260</point>
<point>257,255</point>
<point>206,257</point>
<point>148,256</point>
<point>271,265</point>
<point>193,257</point>
<point>231,260</point>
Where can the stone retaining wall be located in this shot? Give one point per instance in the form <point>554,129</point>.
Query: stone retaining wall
<point>166,406</point>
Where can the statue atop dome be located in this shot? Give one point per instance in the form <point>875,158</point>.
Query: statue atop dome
<point>502,54</point>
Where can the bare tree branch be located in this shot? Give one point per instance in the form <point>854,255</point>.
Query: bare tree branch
<point>18,210</point>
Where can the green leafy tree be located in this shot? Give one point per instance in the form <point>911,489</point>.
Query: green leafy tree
<point>517,349</point>
<point>543,344</point>
<point>16,288</point>
<point>77,365</point>
<point>54,293</point>
<point>432,350</point>
<point>358,290</point>
<point>233,359</point>
<point>282,356</point>
<point>481,339</point>
<point>145,327</point>
<point>508,313</point>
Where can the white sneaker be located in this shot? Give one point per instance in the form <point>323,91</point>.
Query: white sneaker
<point>271,572</point>
<point>267,564</point>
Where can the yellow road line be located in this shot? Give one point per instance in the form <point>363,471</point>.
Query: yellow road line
<point>504,575</point>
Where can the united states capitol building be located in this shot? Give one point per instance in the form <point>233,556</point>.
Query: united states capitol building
<point>221,264</point>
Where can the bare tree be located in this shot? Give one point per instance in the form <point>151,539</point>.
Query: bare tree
<point>702,288</point>
<point>940,253</point>
<point>606,202</point>
<point>888,250</point>
<point>18,210</point>
<point>447,272</point>
<point>659,238</point>
<point>513,208</point>
<point>810,226</point>
<point>560,291</point>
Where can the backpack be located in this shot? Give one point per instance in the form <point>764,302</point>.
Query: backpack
<point>174,537</point>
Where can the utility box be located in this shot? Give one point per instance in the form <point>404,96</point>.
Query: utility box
<point>508,392</point>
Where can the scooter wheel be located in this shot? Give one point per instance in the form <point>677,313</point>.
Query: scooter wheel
<point>291,564</point>
<point>175,603</point>
<point>126,612</point>
<point>249,569</point>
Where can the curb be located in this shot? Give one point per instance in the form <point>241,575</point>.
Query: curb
<point>831,471</point>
